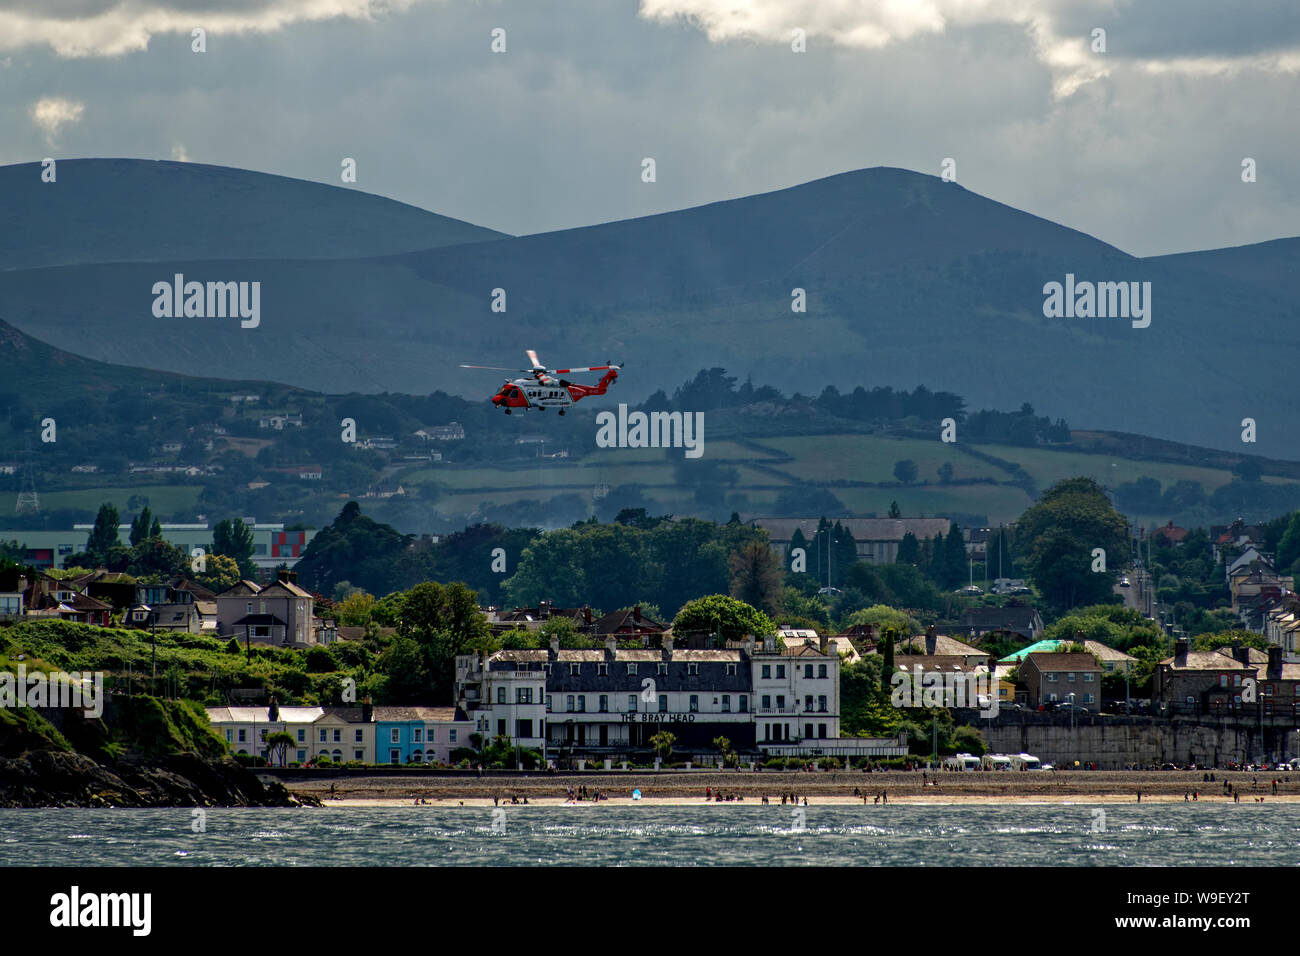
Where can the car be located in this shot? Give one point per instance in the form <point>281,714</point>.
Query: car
<point>1124,583</point>
<point>974,590</point>
<point>1066,706</point>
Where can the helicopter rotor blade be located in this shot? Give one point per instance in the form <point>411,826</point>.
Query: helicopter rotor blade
<point>589,368</point>
<point>532,357</point>
<point>495,368</point>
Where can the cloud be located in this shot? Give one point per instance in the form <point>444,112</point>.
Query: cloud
<point>52,112</point>
<point>84,28</point>
<point>1154,36</point>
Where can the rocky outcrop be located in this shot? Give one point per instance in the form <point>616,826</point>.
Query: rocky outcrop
<point>54,778</point>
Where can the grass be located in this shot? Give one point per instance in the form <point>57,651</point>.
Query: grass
<point>872,458</point>
<point>163,499</point>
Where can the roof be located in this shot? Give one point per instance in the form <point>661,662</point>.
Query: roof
<point>943,645</point>
<point>1206,661</point>
<point>431,714</point>
<point>289,714</point>
<point>1103,651</point>
<point>258,620</point>
<point>1051,661</point>
<point>998,617</point>
<point>862,529</point>
<point>288,586</point>
<point>628,617</point>
<point>241,589</point>
<point>622,656</point>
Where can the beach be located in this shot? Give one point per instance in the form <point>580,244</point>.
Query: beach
<point>826,788</point>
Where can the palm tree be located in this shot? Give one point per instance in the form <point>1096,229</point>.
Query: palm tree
<point>277,747</point>
<point>663,744</point>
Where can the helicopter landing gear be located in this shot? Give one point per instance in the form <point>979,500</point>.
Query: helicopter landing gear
<point>561,411</point>
<point>507,411</point>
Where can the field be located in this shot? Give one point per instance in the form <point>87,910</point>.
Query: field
<point>163,499</point>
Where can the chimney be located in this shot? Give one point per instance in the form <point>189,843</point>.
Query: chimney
<point>747,645</point>
<point>611,645</point>
<point>931,640</point>
<point>769,644</point>
<point>636,613</point>
<point>555,649</point>
<point>1239,652</point>
<point>1274,662</point>
<point>284,574</point>
<point>667,644</point>
<point>586,614</point>
<point>1180,652</point>
<point>367,710</point>
<point>273,712</point>
<point>821,643</point>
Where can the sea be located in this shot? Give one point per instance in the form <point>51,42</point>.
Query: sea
<point>644,835</point>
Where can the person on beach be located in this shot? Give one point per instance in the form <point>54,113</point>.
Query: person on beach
<point>1139,796</point>
<point>1195,796</point>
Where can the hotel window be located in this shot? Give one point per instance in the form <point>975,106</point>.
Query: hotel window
<point>394,736</point>
<point>631,703</point>
<point>523,695</point>
<point>358,755</point>
<point>451,736</point>
<point>695,703</point>
<point>574,669</point>
<point>322,735</point>
<point>726,703</point>
<point>501,695</point>
<point>263,736</point>
<point>604,703</point>
<point>1070,677</point>
<point>767,701</point>
<point>780,671</point>
<point>338,735</point>
<point>1087,678</point>
<point>1223,680</point>
<point>744,703</point>
<point>302,736</point>
<point>663,668</point>
<point>821,703</point>
<point>582,703</point>
<point>418,734</point>
<point>780,701</point>
<point>230,736</point>
<point>692,668</point>
<point>501,728</point>
<point>1236,680</point>
<point>358,738</point>
<point>821,670</point>
<point>602,669</point>
<point>631,668</point>
<point>430,734</point>
<point>821,731</point>
<point>807,702</point>
<point>807,671</point>
<point>302,755</point>
<point>568,703</point>
<point>549,705</point>
<point>663,703</point>
<point>767,672</point>
<point>731,670</point>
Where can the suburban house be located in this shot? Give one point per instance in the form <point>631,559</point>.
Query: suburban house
<point>932,643</point>
<point>279,613</point>
<point>1024,622</point>
<point>1199,682</point>
<point>420,734</point>
<point>1050,678</point>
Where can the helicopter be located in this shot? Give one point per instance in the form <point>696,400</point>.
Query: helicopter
<point>543,389</point>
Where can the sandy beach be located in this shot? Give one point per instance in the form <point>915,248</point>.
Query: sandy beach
<point>546,790</point>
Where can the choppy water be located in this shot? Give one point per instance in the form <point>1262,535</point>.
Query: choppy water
<point>707,835</point>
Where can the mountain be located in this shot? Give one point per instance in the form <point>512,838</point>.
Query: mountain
<point>131,210</point>
<point>908,280</point>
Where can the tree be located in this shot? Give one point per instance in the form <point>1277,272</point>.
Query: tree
<point>894,510</point>
<point>905,471</point>
<point>277,747</point>
<point>1248,469</point>
<point>909,550</point>
<point>1288,546</point>
<point>724,616</point>
<point>1057,538</point>
<point>141,526</point>
<point>234,539</point>
<point>756,576</point>
<point>103,536</point>
<point>662,743</point>
<point>219,573</point>
<point>157,557</point>
<point>945,472</point>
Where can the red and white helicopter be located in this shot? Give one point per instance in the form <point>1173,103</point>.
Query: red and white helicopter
<point>543,390</point>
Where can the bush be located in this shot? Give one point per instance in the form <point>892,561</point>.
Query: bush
<point>232,647</point>
<point>320,661</point>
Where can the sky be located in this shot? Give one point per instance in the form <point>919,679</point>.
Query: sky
<point>1140,144</point>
